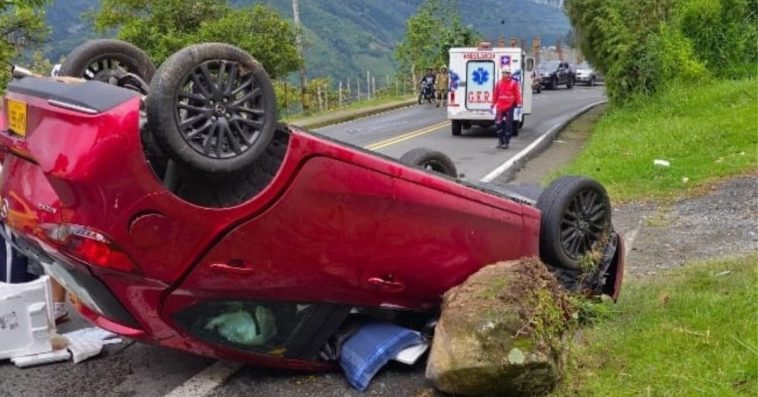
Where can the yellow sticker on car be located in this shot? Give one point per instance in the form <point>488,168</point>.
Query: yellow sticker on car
<point>17,116</point>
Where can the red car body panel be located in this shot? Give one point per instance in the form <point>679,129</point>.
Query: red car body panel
<point>336,224</point>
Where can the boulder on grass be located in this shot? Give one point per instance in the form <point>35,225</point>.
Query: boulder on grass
<point>501,333</point>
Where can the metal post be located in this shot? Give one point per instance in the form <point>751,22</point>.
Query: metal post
<point>339,95</point>
<point>299,45</point>
<point>348,89</point>
<point>320,102</point>
<point>326,96</point>
<point>413,76</point>
<point>286,105</point>
<point>368,84</point>
<point>373,87</point>
<point>358,88</point>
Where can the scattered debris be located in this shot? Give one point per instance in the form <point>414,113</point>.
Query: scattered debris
<point>724,273</point>
<point>26,318</point>
<point>662,163</point>
<point>371,347</point>
<point>88,342</point>
<point>27,328</point>
<point>41,358</point>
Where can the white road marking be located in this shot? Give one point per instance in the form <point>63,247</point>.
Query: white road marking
<point>205,381</point>
<point>515,159</point>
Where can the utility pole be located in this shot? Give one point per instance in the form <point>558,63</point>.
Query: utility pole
<point>536,47</point>
<point>299,45</point>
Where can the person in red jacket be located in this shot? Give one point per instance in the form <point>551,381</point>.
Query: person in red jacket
<point>505,98</point>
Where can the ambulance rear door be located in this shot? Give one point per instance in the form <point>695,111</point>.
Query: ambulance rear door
<point>480,83</point>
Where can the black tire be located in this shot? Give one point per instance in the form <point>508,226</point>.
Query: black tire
<point>576,213</point>
<point>206,121</point>
<point>420,98</point>
<point>95,59</point>
<point>456,127</point>
<point>430,160</point>
<point>521,123</point>
<point>515,128</point>
<point>570,83</point>
<point>553,83</point>
<point>592,82</point>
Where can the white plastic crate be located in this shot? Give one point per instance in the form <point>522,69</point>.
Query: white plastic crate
<point>26,318</point>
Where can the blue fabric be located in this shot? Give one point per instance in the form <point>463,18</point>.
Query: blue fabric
<point>370,348</point>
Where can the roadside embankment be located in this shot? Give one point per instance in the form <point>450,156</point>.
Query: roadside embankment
<point>351,113</point>
<point>701,132</point>
<point>685,321</point>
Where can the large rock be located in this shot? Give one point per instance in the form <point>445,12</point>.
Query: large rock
<point>501,333</point>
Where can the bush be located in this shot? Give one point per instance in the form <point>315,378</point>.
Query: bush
<point>724,33</point>
<point>642,46</point>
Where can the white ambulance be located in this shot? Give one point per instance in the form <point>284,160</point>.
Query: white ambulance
<point>474,71</point>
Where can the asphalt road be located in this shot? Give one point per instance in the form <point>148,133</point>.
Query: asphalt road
<point>132,369</point>
<point>474,152</point>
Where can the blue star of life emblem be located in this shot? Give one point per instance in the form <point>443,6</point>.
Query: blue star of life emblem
<point>480,76</point>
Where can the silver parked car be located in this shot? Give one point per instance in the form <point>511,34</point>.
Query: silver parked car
<point>586,74</point>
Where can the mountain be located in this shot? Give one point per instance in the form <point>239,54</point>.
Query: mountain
<point>344,38</point>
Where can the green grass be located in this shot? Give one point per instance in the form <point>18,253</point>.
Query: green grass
<point>705,130</point>
<point>690,332</point>
<point>352,106</point>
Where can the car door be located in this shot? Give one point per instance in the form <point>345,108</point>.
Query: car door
<point>562,73</point>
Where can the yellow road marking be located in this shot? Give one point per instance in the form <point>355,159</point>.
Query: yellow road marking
<point>406,136</point>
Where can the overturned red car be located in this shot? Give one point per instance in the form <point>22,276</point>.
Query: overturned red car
<point>177,210</point>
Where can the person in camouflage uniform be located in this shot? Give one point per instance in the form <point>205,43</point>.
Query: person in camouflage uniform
<point>442,86</point>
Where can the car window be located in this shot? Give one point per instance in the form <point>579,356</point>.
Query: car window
<point>548,65</point>
<point>272,328</point>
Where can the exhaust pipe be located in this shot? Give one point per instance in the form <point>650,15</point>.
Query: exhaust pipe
<point>18,72</point>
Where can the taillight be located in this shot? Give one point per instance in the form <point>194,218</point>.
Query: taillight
<point>89,246</point>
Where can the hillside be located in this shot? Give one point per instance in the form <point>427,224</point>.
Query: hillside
<point>345,37</point>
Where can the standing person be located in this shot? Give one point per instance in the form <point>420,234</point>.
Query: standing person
<point>505,98</point>
<point>443,85</point>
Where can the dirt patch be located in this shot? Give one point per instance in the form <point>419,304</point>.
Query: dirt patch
<point>720,223</point>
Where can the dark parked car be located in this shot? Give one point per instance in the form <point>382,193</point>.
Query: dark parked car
<point>183,214</point>
<point>555,73</point>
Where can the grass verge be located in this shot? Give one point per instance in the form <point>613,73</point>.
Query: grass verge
<point>705,131</point>
<point>358,105</point>
<point>691,332</point>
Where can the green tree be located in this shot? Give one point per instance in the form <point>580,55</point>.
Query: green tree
<point>22,26</point>
<point>431,32</point>
<point>40,64</point>
<point>261,31</point>
<point>162,27</point>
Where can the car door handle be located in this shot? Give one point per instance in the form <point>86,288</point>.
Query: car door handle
<point>233,267</point>
<point>385,284</point>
